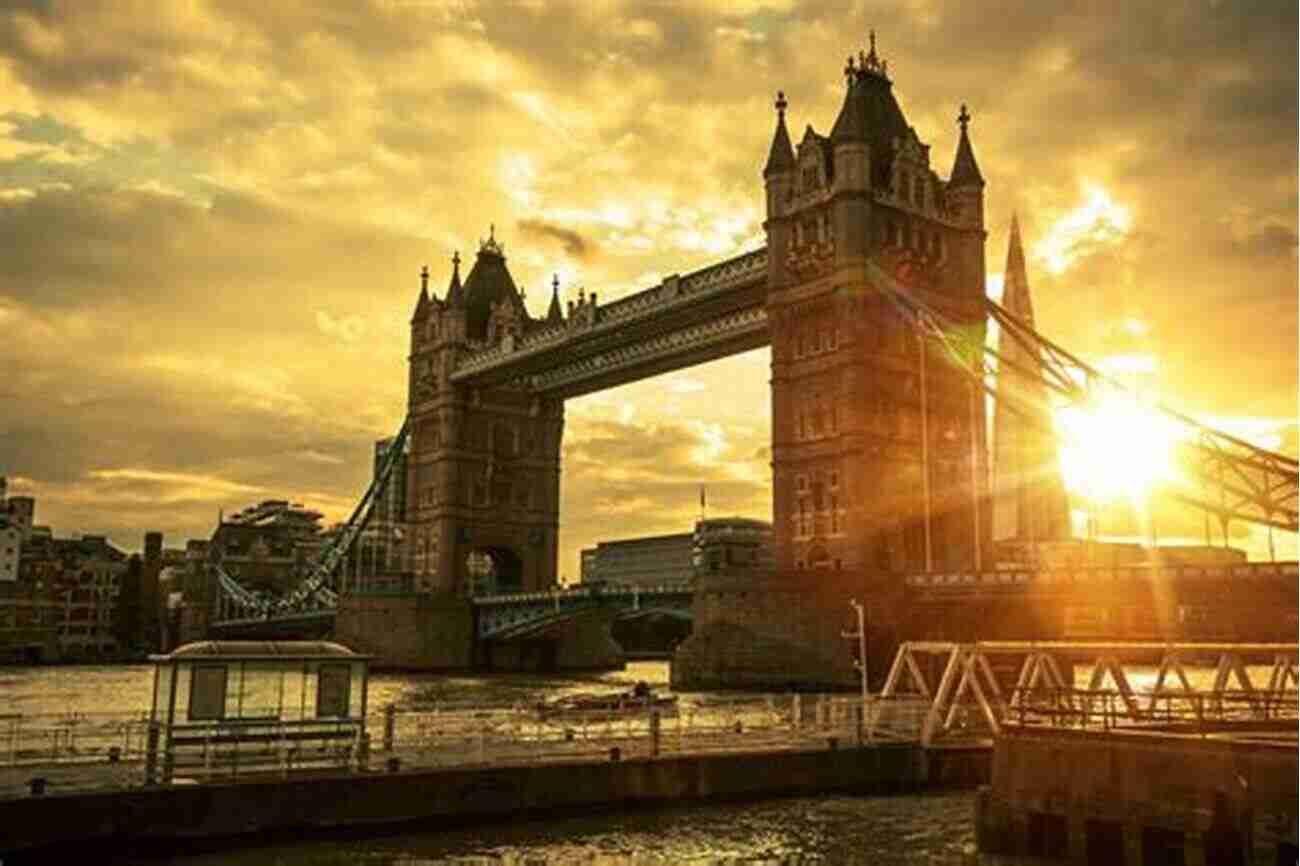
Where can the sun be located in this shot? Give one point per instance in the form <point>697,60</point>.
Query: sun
<point>1115,448</point>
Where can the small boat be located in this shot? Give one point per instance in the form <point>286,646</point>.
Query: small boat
<point>638,701</point>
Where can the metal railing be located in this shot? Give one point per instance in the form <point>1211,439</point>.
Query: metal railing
<point>1106,710</point>
<point>97,751</point>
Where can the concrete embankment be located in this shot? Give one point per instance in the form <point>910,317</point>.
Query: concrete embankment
<point>56,827</point>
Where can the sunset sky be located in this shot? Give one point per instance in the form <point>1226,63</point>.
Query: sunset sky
<point>213,216</point>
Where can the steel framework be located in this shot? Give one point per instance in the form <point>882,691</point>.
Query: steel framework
<point>314,591</point>
<point>970,699</point>
<point>1226,476</point>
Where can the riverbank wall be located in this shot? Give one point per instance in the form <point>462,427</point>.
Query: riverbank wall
<point>1143,798</point>
<point>56,828</point>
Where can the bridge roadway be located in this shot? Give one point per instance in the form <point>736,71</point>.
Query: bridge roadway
<point>708,314</point>
<point>516,614</point>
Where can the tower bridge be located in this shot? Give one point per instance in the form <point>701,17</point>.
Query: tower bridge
<point>870,291</point>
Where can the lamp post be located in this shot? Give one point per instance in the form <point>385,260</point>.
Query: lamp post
<point>861,635</point>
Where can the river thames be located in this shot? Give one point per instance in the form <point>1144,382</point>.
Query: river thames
<point>917,829</point>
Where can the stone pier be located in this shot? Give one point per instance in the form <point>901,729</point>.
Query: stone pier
<point>1143,798</point>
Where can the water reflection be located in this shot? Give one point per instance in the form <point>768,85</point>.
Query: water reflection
<point>936,830</point>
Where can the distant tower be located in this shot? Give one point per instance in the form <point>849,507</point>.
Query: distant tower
<point>1030,501</point>
<point>483,473</point>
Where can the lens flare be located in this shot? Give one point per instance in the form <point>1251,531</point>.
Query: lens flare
<point>1116,448</point>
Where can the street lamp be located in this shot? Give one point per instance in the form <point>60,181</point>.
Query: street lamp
<point>861,635</point>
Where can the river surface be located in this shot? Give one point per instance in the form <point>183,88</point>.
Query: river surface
<point>936,830</point>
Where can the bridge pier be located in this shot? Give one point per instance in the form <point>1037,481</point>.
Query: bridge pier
<point>580,643</point>
<point>411,631</point>
<point>786,630</point>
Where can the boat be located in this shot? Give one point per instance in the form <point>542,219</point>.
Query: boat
<point>638,701</point>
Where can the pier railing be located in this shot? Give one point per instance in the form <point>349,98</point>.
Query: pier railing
<point>82,751</point>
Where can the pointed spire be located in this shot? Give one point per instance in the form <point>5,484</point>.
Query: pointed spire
<point>1030,499</point>
<point>781,157</point>
<point>555,315</point>
<point>491,245</point>
<point>870,62</point>
<point>422,302</point>
<point>965,171</point>
<point>455,295</point>
<point>1015,281</point>
<point>851,124</point>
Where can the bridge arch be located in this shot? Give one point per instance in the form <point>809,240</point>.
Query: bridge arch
<point>492,569</point>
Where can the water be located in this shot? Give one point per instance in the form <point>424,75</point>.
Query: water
<point>129,688</point>
<point>928,829</point>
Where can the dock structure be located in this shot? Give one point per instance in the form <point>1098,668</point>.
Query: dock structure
<point>1152,743</point>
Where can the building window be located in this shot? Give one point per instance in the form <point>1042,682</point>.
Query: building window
<point>835,480</point>
<point>801,482</point>
<point>835,514</point>
<point>918,192</point>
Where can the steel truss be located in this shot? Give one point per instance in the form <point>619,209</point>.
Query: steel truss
<point>1231,478</point>
<point>313,592</point>
<point>970,699</point>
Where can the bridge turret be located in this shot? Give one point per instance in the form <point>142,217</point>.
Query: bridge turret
<point>851,152</point>
<point>778,177</point>
<point>455,293</point>
<point>965,202</point>
<point>778,174</point>
<point>422,302</point>
<point>966,185</point>
<point>554,315</point>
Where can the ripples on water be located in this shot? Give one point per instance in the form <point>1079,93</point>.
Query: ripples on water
<point>935,830</point>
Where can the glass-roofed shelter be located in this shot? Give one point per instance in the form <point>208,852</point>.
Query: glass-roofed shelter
<point>227,681</point>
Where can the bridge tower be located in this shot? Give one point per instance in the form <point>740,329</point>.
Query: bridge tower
<point>483,482</point>
<point>862,481</point>
<point>879,458</point>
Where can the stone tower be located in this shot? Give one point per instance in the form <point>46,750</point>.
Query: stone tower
<point>483,481</point>
<point>879,466</point>
<point>863,482</point>
<point>1030,499</point>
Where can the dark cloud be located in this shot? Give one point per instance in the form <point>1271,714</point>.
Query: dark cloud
<point>573,243</point>
<point>1267,242</point>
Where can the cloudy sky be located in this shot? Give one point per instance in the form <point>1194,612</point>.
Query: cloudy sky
<point>213,214</point>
